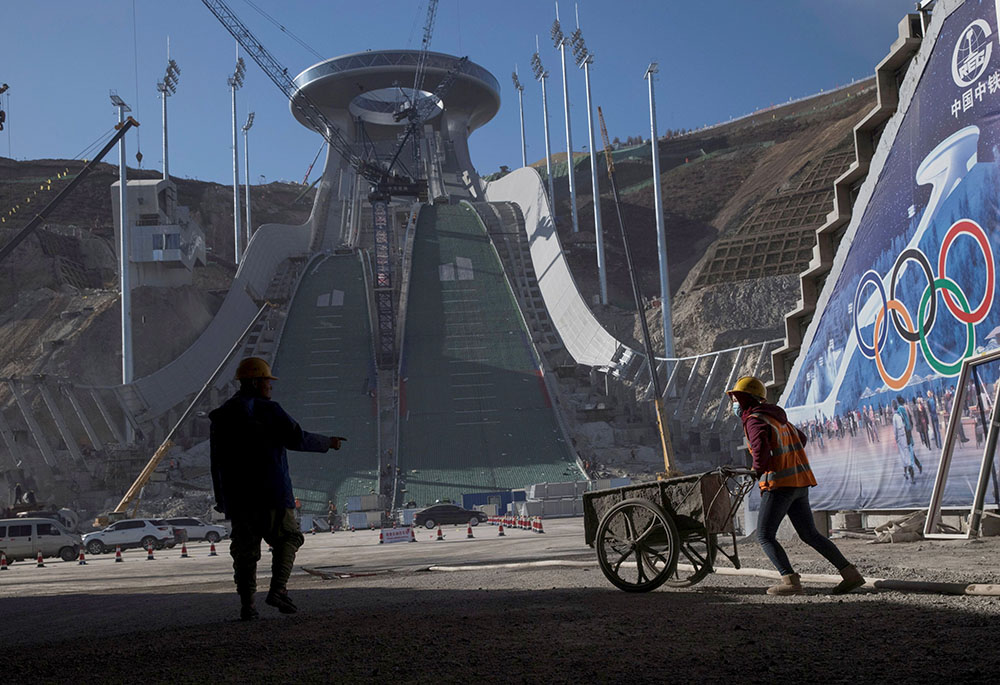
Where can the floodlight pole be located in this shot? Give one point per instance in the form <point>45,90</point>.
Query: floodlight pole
<point>234,84</point>
<point>166,166</point>
<point>520,103</point>
<point>246,162</point>
<point>661,238</point>
<point>542,76</point>
<point>560,42</point>
<point>124,284</point>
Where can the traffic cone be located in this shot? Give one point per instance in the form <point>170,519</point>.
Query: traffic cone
<point>413,536</point>
<point>500,532</point>
<point>40,564</point>
<point>118,554</point>
<point>184,551</point>
<point>468,532</point>
<point>381,540</point>
<point>534,524</point>
<point>539,525</point>
<point>440,535</point>
<point>83,560</point>
<point>149,554</point>
<point>211,551</point>
<point>3,561</point>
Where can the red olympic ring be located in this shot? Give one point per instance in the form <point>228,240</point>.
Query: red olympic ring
<point>900,382</point>
<point>973,229</point>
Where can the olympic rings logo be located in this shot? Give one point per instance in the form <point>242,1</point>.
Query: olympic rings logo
<point>916,332</point>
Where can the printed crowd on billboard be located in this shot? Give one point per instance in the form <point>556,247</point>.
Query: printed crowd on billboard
<point>914,295</point>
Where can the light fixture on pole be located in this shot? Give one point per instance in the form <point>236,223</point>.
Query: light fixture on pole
<point>124,283</point>
<point>520,102</point>
<point>661,238</point>
<point>235,83</point>
<point>584,58</point>
<point>559,41</point>
<point>246,162</point>
<point>167,87</point>
<point>542,76</point>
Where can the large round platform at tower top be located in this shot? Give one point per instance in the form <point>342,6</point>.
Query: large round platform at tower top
<point>370,84</point>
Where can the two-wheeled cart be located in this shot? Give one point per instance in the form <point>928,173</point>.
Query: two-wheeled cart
<point>665,531</point>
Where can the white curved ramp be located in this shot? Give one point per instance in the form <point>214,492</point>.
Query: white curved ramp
<point>582,334</point>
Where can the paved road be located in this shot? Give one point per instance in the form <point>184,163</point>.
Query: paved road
<point>171,620</point>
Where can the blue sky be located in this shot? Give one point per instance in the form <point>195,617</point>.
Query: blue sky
<point>718,59</point>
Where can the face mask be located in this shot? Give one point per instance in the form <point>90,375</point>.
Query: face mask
<point>737,412</point>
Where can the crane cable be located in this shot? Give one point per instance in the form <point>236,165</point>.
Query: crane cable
<point>284,29</point>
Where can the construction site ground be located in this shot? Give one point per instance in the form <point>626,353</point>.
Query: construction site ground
<point>532,607</point>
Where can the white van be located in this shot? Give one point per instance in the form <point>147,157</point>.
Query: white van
<point>23,538</point>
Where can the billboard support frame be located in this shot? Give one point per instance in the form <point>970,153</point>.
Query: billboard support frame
<point>933,520</point>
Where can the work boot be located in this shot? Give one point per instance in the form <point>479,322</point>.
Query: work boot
<point>281,601</point>
<point>852,580</point>
<point>789,585</point>
<point>248,611</point>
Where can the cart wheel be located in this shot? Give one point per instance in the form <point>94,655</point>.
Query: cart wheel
<point>698,550</point>
<point>637,545</point>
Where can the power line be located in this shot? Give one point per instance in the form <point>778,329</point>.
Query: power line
<point>285,30</point>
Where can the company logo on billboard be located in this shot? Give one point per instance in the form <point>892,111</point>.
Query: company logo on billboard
<point>972,53</point>
<point>955,300</point>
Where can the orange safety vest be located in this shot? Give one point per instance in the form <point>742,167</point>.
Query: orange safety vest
<point>789,467</point>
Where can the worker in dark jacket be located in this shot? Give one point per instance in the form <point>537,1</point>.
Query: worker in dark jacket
<point>781,465</point>
<point>249,436</point>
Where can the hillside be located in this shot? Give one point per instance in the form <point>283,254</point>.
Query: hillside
<point>741,202</point>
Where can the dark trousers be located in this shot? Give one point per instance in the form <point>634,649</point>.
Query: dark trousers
<point>794,503</point>
<point>280,530</point>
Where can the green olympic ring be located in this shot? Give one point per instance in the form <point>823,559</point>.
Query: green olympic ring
<point>935,363</point>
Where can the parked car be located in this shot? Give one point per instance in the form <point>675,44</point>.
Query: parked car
<point>24,538</point>
<point>447,513</point>
<point>198,529</point>
<point>128,533</point>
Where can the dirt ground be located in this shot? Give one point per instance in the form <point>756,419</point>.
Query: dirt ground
<point>527,624</point>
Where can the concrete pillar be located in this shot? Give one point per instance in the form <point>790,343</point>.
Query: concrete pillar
<point>88,427</point>
<point>36,431</point>
<point>112,426</point>
<point>61,425</point>
<point>8,438</point>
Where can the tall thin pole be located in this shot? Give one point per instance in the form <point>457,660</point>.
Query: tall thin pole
<point>166,164</point>
<point>524,145</point>
<point>124,284</point>
<point>167,87</point>
<point>661,237</point>
<point>246,161</point>
<point>542,76</point>
<point>602,272</point>
<point>236,186</point>
<point>560,42</point>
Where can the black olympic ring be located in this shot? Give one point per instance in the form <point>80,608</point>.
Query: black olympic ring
<point>919,257</point>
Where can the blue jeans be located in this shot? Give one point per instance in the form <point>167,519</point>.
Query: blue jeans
<point>793,502</point>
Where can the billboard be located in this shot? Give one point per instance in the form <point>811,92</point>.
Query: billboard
<point>913,288</point>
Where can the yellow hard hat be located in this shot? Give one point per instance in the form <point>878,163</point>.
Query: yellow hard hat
<point>751,386</point>
<point>254,367</point>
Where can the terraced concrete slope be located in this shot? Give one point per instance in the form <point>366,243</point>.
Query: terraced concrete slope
<point>474,413</point>
<point>326,381</point>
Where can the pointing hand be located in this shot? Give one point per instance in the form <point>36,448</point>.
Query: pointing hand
<point>335,441</point>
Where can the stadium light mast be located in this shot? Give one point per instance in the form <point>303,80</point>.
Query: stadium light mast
<point>542,75</point>
<point>584,58</point>
<point>661,238</point>
<point>520,103</point>
<point>124,284</point>
<point>559,40</point>
<point>235,83</point>
<point>167,87</point>
<point>246,162</point>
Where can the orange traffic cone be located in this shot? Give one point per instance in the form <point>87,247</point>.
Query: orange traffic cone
<point>211,551</point>
<point>83,560</point>
<point>468,532</point>
<point>500,531</point>
<point>413,536</point>
<point>3,561</point>
<point>184,551</point>
<point>539,525</point>
<point>118,554</point>
<point>149,554</point>
<point>40,564</point>
<point>440,535</point>
<point>381,539</point>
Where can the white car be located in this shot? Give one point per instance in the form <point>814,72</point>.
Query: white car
<point>198,529</point>
<point>139,533</point>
